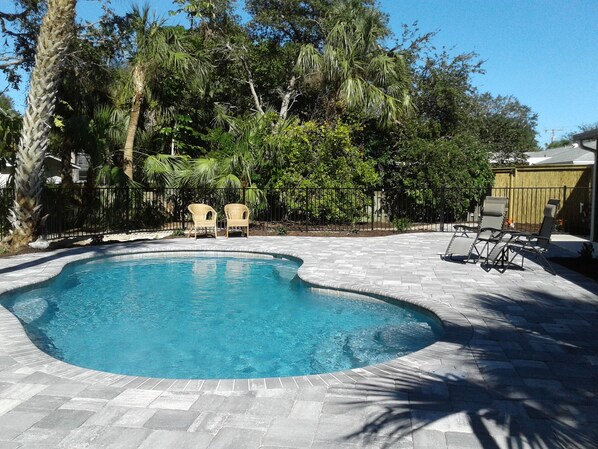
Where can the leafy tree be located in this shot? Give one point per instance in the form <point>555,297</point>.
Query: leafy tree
<point>507,127</point>
<point>443,92</point>
<point>54,35</point>
<point>559,143</point>
<point>100,138</point>
<point>20,29</point>
<point>286,21</point>
<point>321,155</point>
<point>155,48</point>
<point>10,128</point>
<point>426,169</point>
<point>233,152</point>
<point>354,71</point>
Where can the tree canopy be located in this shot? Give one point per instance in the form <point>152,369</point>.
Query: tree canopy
<point>265,100</point>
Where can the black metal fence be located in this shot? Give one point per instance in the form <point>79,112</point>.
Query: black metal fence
<point>80,211</point>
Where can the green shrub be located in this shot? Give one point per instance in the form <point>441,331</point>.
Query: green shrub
<point>322,168</point>
<point>401,224</point>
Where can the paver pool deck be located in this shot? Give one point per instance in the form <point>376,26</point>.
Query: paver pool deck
<point>517,366</point>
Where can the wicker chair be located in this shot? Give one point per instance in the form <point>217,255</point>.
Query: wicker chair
<point>237,216</point>
<point>204,216</point>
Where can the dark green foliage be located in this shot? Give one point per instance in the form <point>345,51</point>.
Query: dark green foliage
<point>325,159</point>
<point>506,126</point>
<point>455,171</point>
<point>19,33</point>
<point>559,143</point>
<point>360,113</point>
<point>10,128</point>
<point>321,155</point>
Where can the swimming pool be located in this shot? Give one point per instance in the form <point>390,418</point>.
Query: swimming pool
<point>201,316</point>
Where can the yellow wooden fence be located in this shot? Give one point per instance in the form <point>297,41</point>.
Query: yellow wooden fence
<point>529,188</point>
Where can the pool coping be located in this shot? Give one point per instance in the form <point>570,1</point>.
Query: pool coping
<point>16,343</point>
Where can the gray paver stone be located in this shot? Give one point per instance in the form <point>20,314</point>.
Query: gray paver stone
<point>429,439</point>
<point>171,420</point>
<point>167,439</point>
<point>233,438</point>
<point>119,438</point>
<point>291,432</point>
<point>64,419</point>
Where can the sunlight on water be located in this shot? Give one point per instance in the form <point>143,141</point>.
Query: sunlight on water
<point>211,317</point>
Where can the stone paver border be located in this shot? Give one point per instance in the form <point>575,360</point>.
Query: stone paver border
<point>16,343</point>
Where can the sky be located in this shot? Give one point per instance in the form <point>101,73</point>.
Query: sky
<point>542,52</point>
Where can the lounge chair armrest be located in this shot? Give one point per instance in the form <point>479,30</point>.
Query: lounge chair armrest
<point>495,233</point>
<point>465,228</point>
<point>496,230</point>
<point>520,235</point>
<point>526,237</point>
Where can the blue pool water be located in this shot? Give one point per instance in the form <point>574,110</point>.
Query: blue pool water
<point>211,317</point>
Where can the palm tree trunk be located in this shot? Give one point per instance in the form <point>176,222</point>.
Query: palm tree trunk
<point>54,35</point>
<point>139,87</point>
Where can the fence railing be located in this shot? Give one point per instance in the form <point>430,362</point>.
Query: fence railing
<point>526,207</point>
<point>81,211</point>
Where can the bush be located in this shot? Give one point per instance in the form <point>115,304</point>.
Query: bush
<point>450,176</point>
<point>324,172</point>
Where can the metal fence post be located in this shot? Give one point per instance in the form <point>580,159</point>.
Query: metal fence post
<point>127,209</point>
<point>442,205</point>
<point>373,207</point>
<point>179,195</point>
<point>306,209</point>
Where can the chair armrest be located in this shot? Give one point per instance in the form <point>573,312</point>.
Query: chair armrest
<point>496,230</point>
<point>527,237</point>
<point>463,228</point>
<point>496,234</point>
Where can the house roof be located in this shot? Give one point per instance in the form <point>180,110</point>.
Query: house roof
<point>51,158</point>
<point>569,154</point>
<point>588,139</point>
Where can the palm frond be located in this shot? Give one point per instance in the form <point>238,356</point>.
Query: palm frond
<point>228,181</point>
<point>309,61</point>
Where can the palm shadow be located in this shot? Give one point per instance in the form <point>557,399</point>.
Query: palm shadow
<point>92,250</point>
<point>532,382</point>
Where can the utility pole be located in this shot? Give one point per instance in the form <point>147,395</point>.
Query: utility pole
<point>553,132</point>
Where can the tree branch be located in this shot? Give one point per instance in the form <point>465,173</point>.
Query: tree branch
<point>288,98</point>
<point>250,81</point>
<point>7,62</point>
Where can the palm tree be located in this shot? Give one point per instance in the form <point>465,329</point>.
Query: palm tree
<point>354,70</point>
<point>231,165</point>
<point>56,30</point>
<point>157,49</point>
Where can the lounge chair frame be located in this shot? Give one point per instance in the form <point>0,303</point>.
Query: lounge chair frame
<point>466,239</point>
<point>512,244</point>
